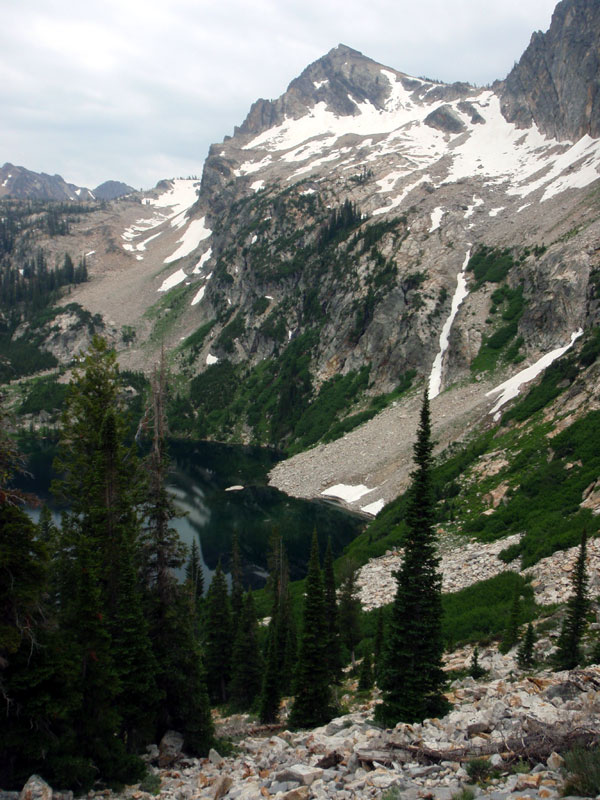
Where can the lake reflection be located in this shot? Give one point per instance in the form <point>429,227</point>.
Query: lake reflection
<point>222,489</point>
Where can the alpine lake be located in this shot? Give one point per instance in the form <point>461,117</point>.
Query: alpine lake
<point>222,489</point>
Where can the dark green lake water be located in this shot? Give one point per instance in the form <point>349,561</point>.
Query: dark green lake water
<point>200,476</point>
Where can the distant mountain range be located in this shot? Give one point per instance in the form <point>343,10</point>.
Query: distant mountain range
<point>23,184</point>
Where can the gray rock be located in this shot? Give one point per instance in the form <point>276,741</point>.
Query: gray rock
<point>170,748</point>
<point>36,788</point>
<point>214,758</point>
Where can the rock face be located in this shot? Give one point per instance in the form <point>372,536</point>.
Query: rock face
<point>556,83</point>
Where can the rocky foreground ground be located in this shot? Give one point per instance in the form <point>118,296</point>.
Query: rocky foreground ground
<point>515,722</point>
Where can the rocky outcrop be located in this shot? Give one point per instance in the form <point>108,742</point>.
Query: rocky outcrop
<point>556,82</point>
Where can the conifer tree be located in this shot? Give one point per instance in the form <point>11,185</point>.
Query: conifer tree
<point>100,481</point>
<point>412,676</point>
<point>181,677</point>
<point>378,644</point>
<point>365,678</point>
<point>476,671</point>
<point>217,637</point>
<point>525,654</point>
<point>349,609</point>
<point>511,633</point>
<point>312,701</point>
<point>194,581</point>
<point>334,656</point>
<point>246,660</point>
<point>270,696</point>
<point>237,587</point>
<point>569,653</point>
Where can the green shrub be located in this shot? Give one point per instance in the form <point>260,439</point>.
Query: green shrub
<point>150,783</point>
<point>583,772</point>
<point>478,769</point>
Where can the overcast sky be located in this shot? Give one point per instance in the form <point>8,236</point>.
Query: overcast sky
<point>137,90</point>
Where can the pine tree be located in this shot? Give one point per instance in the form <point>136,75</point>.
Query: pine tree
<point>100,481</point>
<point>412,676</point>
<point>171,611</point>
<point>334,656</point>
<point>365,678</point>
<point>246,660</point>
<point>270,696</point>
<point>194,581</point>
<point>475,670</point>
<point>525,654</point>
<point>349,609</point>
<point>237,587</point>
<point>217,637</point>
<point>378,645</point>
<point>569,653</point>
<point>312,702</point>
<point>511,633</point>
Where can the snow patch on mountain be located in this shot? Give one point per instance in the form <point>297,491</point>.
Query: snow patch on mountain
<point>173,280</point>
<point>461,291</point>
<point>512,386</point>
<point>195,233</point>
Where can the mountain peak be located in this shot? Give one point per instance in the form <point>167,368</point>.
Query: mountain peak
<point>340,79</point>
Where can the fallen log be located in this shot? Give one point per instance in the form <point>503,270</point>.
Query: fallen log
<point>534,747</point>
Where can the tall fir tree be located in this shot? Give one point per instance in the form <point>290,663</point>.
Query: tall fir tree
<point>217,637</point>
<point>569,653</point>
<point>525,653</point>
<point>378,644</point>
<point>171,611</point>
<point>510,637</point>
<point>270,696</point>
<point>312,702</point>
<point>334,655</point>
<point>412,678</point>
<point>237,586</point>
<point>194,581</point>
<point>349,609</point>
<point>246,660</point>
<point>101,482</point>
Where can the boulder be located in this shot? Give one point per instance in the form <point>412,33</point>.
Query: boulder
<point>36,788</point>
<point>170,748</point>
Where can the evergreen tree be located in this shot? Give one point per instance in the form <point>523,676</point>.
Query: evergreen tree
<point>511,633</point>
<point>349,609</point>
<point>525,654</point>
<point>569,653</point>
<point>194,580</point>
<point>237,587</point>
<point>365,678</point>
<point>334,656</point>
<point>100,481</point>
<point>246,660</point>
<point>171,611</point>
<point>217,637</point>
<point>475,670</point>
<point>412,676</point>
<point>312,702</point>
<point>378,645</point>
<point>270,696</point>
